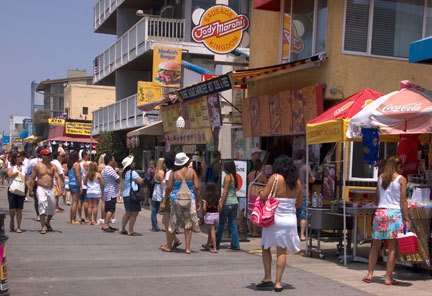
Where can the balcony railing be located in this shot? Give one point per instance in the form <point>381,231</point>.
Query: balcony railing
<point>121,115</point>
<point>136,41</point>
<point>103,9</point>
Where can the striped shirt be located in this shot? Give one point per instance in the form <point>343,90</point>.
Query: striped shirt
<point>111,180</point>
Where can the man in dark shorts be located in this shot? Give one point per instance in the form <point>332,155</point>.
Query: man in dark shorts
<point>111,190</point>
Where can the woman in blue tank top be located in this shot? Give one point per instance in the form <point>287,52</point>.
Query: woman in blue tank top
<point>74,184</point>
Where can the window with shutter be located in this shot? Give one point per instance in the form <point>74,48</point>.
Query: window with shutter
<point>356,25</point>
<point>393,25</point>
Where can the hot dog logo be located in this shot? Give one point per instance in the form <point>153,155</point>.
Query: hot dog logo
<point>220,29</point>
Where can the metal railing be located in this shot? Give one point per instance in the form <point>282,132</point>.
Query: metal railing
<point>121,115</point>
<point>135,42</point>
<point>103,9</point>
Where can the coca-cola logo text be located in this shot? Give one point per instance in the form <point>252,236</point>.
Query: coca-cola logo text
<point>414,107</point>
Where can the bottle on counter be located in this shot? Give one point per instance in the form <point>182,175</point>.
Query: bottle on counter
<point>315,200</point>
<point>320,201</point>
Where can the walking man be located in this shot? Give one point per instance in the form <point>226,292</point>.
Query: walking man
<point>28,171</point>
<point>111,190</point>
<point>57,159</point>
<point>45,172</point>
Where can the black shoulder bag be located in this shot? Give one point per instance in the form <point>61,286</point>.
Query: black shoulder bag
<point>135,195</point>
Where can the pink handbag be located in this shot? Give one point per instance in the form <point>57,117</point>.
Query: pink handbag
<point>263,212</point>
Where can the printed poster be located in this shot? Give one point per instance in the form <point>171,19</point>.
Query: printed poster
<point>167,66</point>
<point>148,93</point>
<point>241,175</point>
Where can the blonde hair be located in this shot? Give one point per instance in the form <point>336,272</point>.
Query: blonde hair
<point>160,165</point>
<point>93,169</point>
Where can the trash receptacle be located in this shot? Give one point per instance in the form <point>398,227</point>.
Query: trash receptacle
<point>4,288</point>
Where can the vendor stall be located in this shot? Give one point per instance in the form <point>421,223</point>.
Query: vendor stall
<point>330,127</point>
<point>406,112</point>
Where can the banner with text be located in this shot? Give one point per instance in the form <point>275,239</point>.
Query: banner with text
<point>78,128</point>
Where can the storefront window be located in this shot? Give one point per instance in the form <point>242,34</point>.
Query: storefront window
<point>308,21</point>
<point>393,26</point>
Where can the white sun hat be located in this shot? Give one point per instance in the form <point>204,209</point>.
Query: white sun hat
<point>127,161</point>
<point>181,159</point>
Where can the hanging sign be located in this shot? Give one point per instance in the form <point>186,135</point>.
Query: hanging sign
<point>56,121</point>
<point>212,86</point>
<point>78,128</point>
<point>148,93</point>
<point>220,29</point>
<point>167,66</point>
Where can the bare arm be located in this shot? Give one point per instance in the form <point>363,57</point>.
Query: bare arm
<point>403,199</point>
<point>196,185</point>
<point>76,168</point>
<point>101,181</point>
<point>58,179</point>
<point>299,198</point>
<point>32,180</point>
<point>11,174</point>
<point>226,183</point>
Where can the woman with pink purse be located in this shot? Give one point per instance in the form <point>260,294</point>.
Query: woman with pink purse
<point>283,233</point>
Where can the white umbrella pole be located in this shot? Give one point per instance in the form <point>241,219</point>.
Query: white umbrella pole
<point>344,203</point>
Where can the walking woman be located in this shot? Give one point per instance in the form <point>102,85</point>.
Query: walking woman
<point>390,217</point>
<point>75,184</point>
<point>16,202</point>
<point>157,193</point>
<point>185,217</point>
<point>131,180</point>
<point>228,205</point>
<point>283,233</point>
<point>95,184</point>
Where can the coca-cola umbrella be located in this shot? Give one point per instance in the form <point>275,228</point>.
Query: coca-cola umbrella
<point>407,111</point>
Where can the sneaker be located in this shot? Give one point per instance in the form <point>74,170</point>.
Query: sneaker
<point>68,203</point>
<point>38,218</point>
<point>26,199</point>
<point>113,221</point>
<point>101,221</point>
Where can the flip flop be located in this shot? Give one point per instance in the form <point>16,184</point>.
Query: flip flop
<point>177,244</point>
<point>367,280</point>
<point>188,252</point>
<point>134,234</point>
<point>213,251</point>
<point>392,283</point>
<point>265,285</point>
<point>165,249</point>
<point>49,228</point>
<point>43,231</point>
<point>123,232</point>
<point>205,247</point>
<point>75,222</point>
<point>18,230</point>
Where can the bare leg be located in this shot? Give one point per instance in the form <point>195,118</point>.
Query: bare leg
<point>267,259</point>
<point>188,240</point>
<point>108,216</point>
<point>302,229</point>
<point>373,258</point>
<point>391,261</point>
<point>102,208</point>
<point>241,221</point>
<point>19,219</point>
<point>86,211</point>
<point>95,210</point>
<point>280,266</point>
<point>73,210</point>
<point>132,220</point>
<point>12,219</point>
<point>212,233</point>
<point>42,221</point>
<point>80,206</point>
<point>125,220</point>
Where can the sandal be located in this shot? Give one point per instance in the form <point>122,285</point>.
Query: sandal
<point>75,222</point>
<point>43,231</point>
<point>205,247</point>
<point>265,285</point>
<point>49,228</point>
<point>134,234</point>
<point>188,252</point>
<point>367,280</point>
<point>177,244</point>
<point>165,249</point>
<point>18,230</point>
<point>392,283</point>
<point>124,232</point>
<point>213,251</point>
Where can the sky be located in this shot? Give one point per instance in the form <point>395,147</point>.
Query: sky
<point>39,40</point>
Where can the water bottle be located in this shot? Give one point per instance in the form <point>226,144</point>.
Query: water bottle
<point>314,200</point>
<point>320,201</point>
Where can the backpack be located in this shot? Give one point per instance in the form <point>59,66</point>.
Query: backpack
<point>184,196</point>
<point>210,175</point>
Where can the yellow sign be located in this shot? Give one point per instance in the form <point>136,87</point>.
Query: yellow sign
<point>78,128</point>
<point>286,38</point>
<point>220,29</point>
<point>56,121</point>
<point>167,66</point>
<point>148,93</point>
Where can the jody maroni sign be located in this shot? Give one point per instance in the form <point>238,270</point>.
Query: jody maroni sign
<point>220,29</point>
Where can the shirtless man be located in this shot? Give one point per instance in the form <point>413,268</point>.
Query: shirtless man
<point>45,172</point>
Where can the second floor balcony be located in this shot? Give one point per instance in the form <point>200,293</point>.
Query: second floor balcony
<point>138,40</point>
<point>122,115</point>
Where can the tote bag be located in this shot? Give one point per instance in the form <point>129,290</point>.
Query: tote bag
<point>263,212</point>
<point>18,185</point>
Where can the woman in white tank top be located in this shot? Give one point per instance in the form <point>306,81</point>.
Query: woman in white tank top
<point>94,182</point>
<point>390,217</point>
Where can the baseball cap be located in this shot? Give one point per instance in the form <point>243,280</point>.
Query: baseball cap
<point>45,152</point>
<point>255,150</point>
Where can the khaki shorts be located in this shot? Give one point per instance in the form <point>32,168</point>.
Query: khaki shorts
<point>46,201</point>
